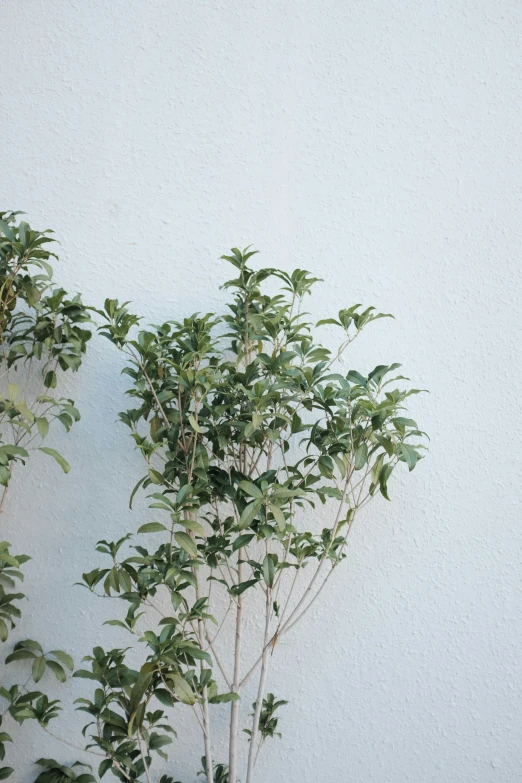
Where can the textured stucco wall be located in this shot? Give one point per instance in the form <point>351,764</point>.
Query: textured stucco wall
<point>377,144</point>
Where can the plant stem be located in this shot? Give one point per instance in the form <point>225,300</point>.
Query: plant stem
<point>252,755</point>
<point>218,661</point>
<point>206,734</point>
<point>283,628</point>
<point>234,706</point>
<point>357,507</point>
<point>205,711</point>
<point>257,712</point>
<point>2,500</point>
<point>287,627</point>
<point>322,561</point>
<point>72,744</point>
<point>142,754</point>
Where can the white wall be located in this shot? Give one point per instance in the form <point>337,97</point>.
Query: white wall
<point>377,144</point>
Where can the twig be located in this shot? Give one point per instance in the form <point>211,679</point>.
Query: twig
<point>259,701</point>
<point>234,706</point>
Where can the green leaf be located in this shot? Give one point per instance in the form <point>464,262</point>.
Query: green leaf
<point>38,668</point>
<point>136,488</point>
<point>164,697</point>
<point>157,741</point>
<point>29,644</point>
<point>64,658</point>
<point>104,767</point>
<point>196,527</point>
<point>356,378</point>
<point>384,475</point>
<point>249,430</point>
<point>24,410</point>
<point>50,380</point>
<point>341,465</point>
<point>182,689</point>
<point>331,492</point>
<point>185,491</point>
<point>57,670</point>
<point>9,560</point>
<point>195,426</point>
<point>155,476</point>
<point>5,771</point>
<point>6,229</point>
<point>242,586</point>
<point>268,569</point>
<point>152,527</point>
<point>242,541</point>
<point>4,632</point>
<point>58,457</point>
<point>278,516</point>
<point>401,423</point>
<point>12,391</point>
<point>326,466</point>
<point>43,426</point>
<point>186,543</point>
<point>324,321</point>
<point>361,456</point>
<point>10,450</point>
<point>408,455</point>
<point>249,513</point>
<point>85,674</point>
<point>20,655</point>
<point>197,653</point>
<point>142,683</point>
<point>250,489</point>
<point>387,444</point>
<point>223,698</point>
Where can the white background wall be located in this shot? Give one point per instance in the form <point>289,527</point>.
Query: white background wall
<point>378,145</point>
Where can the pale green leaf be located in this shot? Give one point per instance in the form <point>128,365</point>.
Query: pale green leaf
<point>182,689</point>
<point>58,457</point>
<point>250,489</point>
<point>186,543</point>
<point>195,426</point>
<point>249,513</point>
<point>152,527</point>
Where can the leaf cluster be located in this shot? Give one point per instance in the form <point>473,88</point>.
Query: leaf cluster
<point>43,333</point>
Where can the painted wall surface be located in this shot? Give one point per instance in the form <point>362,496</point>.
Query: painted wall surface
<point>378,145</point>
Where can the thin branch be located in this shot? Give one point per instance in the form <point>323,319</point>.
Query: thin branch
<point>323,558</point>
<point>145,766</point>
<point>252,755</point>
<point>71,744</point>
<point>218,661</point>
<point>234,706</point>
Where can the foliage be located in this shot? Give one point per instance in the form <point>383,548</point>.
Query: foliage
<point>58,773</point>
<point>10,574</point>
<point>41,332</point>
<point>261,451</point>
<point>267,719</point>
<point>120,697</point>
<point>220,772</point>
<point>42,335</point>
